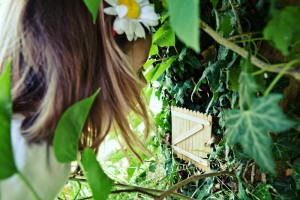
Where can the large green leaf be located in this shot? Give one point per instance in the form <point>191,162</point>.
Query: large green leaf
<point>296,172</point>
<point>93,6</point>
<point>99,182</point>
<point>7,166</point>
<point>164,36</point>
<point>249,128</point>
<point>283,29</point>
<point>69,128</point>
<point>184,17</point>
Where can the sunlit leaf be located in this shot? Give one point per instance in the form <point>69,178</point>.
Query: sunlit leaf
<point>283,29</point>
<point>157,71</point>
<point>249,128</point>
<point>99,182</point>
<point>184,18</point>
<point>296,172</point>
<point>93,6</point>
<point>69,128</point>
<point>7,166</point>
<point>153,50</point>
<point>164,36</point>
<point>130,171</point>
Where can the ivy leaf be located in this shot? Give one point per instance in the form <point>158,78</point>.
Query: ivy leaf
<point>214,3</point>
<point>7,167</point>
<point>93,6</point>
<point>164,36</point>
<point>99,182</point>
<point>249,128</point>
<point>157,71</point>
<point>212,73</point>
<point>296,172</point>
<point>69,128</point>
<point>262,192</point>
<point>283,29</point>
<point>286,146</point>
<point>184,18</point>
<point>247,87</point>
<point>226,26</point>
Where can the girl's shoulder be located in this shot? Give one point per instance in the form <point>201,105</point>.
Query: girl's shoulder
<point>39,166</point>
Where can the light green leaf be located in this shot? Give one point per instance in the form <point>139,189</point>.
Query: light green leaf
<point>283,29</point>
<point>164,36</point>
<point>99,182</point>
<point>93,6</point>
<point>153,50</point>
<point>157,71</point>
<point>296,172</point>
<point>184,18</point>
<point>148,63</point>
<point>7,167</point>
<point>249,128</point>
<point>130,171</point>
<point>69,128</point>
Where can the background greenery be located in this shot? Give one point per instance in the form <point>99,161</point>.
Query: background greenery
<point>237,60</point>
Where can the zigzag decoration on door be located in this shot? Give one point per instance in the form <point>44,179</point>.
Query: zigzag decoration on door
<point>191,133</point>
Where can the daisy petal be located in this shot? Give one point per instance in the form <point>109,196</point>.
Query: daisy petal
<point>112,2</point>
<point>110,11</point>
<point>121,10</point>
<point>139,31</point>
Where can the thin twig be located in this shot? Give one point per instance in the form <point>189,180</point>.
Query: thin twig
<point>242,52</point>
<point>133,190</point>
<point>191,179</point>
<point>149,190</point>
<point>86,198</point>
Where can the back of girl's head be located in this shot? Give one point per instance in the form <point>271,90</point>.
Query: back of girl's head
<point>60,57</point>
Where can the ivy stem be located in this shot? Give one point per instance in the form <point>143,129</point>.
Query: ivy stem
<point>191,179</point>
<point>147,191</point>
<point>268,68</point>
<point>281,73</point>
<point>29,186</point>
<point>242,52</point>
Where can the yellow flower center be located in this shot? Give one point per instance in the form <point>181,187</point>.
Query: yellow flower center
<point>132,6</point>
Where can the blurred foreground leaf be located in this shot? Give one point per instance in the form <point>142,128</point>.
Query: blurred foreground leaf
<point>249,128</point>
<point>7,166</point>
<point>69,128</point>
<point>99,182</point>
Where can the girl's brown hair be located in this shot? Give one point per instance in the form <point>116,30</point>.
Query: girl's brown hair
<point>60,57</point>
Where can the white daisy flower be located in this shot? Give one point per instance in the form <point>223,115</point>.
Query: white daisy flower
<point>131,14</point>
